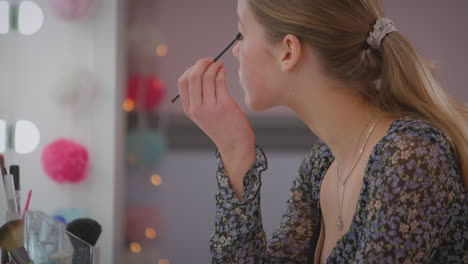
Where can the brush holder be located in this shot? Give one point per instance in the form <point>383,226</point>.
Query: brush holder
<point>48,242</point>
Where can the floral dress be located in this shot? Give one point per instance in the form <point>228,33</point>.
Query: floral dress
<point>412,207</point>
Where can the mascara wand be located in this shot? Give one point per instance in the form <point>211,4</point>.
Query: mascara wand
<point>238,36</point>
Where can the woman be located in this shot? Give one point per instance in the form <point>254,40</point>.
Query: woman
<point>386,181</point>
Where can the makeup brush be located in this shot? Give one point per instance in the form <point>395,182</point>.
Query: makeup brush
<point>26,207</point>
<point>8,183</point>
<point>12,240</point>
<point>238,36</point>
<point>2,165</point>
<point>87,230</point>
<point>15,172</point>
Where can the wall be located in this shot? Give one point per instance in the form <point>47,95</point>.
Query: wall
<point>195,30</point>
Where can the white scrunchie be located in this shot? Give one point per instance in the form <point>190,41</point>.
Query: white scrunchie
<point>382,27</point>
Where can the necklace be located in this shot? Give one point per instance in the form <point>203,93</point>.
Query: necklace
<point>355,147</point>
<point>339,223</point>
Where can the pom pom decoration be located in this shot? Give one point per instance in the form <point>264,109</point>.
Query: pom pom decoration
<point>142,223</point>
<point>65,161</point>
<point>143,37</point>
<point>152,90</point>
<point>72,9</point>
<point>76,88</point>
<point>145,147</point>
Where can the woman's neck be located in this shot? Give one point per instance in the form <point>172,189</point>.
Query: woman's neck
<point>338,116</point>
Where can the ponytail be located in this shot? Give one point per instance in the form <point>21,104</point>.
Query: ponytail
<point>409,86</point>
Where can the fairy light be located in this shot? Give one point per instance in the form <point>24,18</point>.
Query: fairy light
<point>150,233</point>
<point>131,158</point>
<point>156,180</point>
<point>163,261</point>
<point>135,247</point>
<point>161,50</point>
<point>128,105</point>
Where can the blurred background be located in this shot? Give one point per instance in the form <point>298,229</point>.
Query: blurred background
<point>85,89</point>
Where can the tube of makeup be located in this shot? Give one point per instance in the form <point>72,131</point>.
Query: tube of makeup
<point>15,171</point>
<point>10,194</point>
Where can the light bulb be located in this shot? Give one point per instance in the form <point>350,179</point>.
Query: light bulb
<point>4,17</point>
<point>30,18</point>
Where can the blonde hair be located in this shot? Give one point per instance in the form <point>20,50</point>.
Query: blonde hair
<point>395,77</point>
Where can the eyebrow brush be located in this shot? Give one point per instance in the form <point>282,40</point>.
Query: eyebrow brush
<point>238,36</point>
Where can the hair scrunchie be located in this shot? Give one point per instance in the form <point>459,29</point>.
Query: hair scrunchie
<point>382,27</point>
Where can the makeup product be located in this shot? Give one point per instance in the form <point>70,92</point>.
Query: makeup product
<point>15,171</point>
<point>26,207</point>
<point>2,165</point>
<point>12,240</point>
<point>12,212</point>
<point>238,36</point>
<point>10,195</point>
<point>5,258</point>
<point>88,231</point>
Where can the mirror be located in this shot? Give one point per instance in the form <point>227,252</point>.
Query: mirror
<point>4,17</point>
<point>26,137</point>
<point>30,18</point>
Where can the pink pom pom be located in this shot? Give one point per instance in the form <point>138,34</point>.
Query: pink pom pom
<point>65,161</point>
<point>141,221</point>
<point>72,9</point>
<point>152,88</point>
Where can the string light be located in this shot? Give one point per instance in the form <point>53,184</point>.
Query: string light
<point>161,50</point>
<point>150,233</point>
<point>156,180</point>
<point>131,158</point>
<point>129,105</point>
<point>135,247</point>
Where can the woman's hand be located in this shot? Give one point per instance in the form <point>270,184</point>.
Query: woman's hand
<point>207,102</point>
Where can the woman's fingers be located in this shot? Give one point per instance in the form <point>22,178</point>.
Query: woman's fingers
<point>209,83</point>
<point>183,90</point>
<point>201,85</point>
<point>222,93</point>
<point>195,82</point>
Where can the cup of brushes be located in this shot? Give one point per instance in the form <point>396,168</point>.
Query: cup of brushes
<point>47,241</point>
<point>51,242</point>
<point>40,238</point>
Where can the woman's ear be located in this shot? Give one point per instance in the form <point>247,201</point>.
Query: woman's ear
<point>291,51</point>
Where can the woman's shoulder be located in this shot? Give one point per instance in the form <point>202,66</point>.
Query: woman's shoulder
<point>416,127</point>
<point>318,158</point>
<point>409,132</point>
<point>406,134</point>
<point>415,146</point>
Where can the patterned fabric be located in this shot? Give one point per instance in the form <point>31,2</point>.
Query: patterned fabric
<point>412,207</point>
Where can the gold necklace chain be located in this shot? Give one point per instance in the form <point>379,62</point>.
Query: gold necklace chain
<point>339,223</point>
<point>354,149</point>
